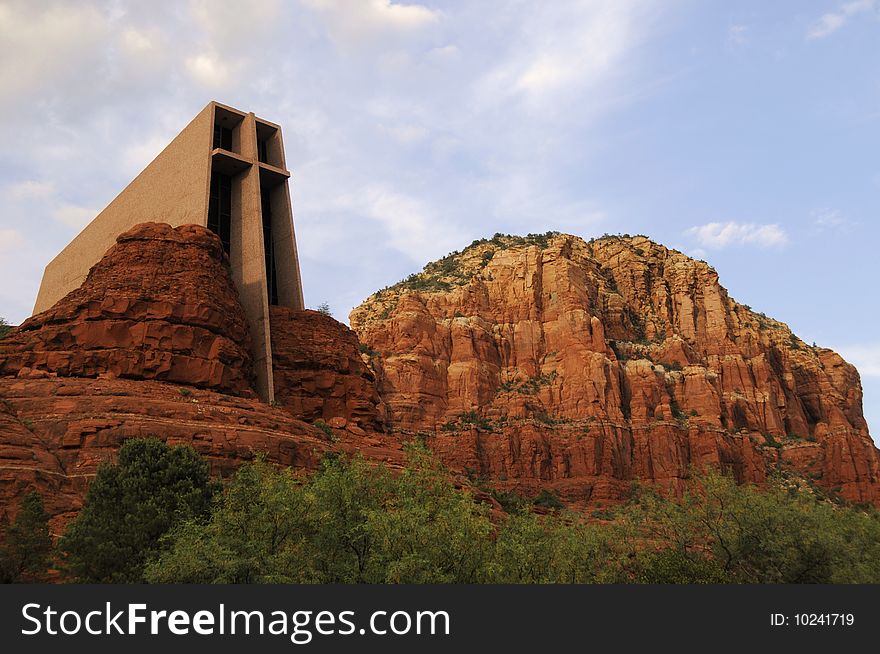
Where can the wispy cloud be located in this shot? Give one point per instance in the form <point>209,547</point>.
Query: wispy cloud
<point>865,357</point>
<point>826,219</point>
<point>833,21</point>
<point>10,239</point>
<point>30,189</point>
<point>737,35</point>
<point>717,236</point>
<point>352,23</point>
<point>590,43</point>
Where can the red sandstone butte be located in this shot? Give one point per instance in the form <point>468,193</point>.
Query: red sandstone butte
<point>160,305</point>
<point>547,361</point>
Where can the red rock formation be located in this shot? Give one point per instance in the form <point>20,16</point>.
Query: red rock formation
<point>159,306</point>
<point>154,343</point>
<point>319,373</point>
<point>586,366</point>
<point>579,367</point>
<point>54,432</point>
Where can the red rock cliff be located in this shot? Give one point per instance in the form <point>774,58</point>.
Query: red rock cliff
<point>319,373</point>
<point>548,360</point>
<point>160,305</point>
<point>154,343</point>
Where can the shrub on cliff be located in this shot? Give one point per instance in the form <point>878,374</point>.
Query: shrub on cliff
<point>26,544</point>
<point>130,505</point>
<point>4,327</point>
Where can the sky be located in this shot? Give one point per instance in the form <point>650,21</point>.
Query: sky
<point>746,134</point>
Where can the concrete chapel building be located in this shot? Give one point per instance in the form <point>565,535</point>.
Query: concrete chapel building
<point>225,171</point>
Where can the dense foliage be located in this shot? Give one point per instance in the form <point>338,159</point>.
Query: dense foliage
<point>130,505</point>
<point>349,523</point>
<point>156,516</point>
<point>357,523</point>
<point>26,544</point>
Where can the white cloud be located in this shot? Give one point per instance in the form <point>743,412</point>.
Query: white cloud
<point>229,24</point>
<point>833,21</point>
<point>47,44</point>
<point>207,69</point>
<point>721,235</point>
<point>137,41</point>
<point>353,22</point>
<point>406,134</point>
<point>444,53</point>
<point>830,220</point>
<point>30,189</point>
<point>588,44</point>
<point>865,357</point>
<point>412,227</point>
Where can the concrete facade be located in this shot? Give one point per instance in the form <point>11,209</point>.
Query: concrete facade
<point>224,157</point>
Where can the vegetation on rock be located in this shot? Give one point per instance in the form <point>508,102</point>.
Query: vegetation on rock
<point>352,522</point>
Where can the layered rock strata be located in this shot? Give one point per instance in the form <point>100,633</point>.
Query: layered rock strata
<point>587,366</point>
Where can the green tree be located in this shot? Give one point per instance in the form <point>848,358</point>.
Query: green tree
<point>324,308</point>
<point>720,531</point>
<point>351,522</point>
<point>258,533</point>
<point>26,545</point>
<point>429,532</point>
<point>558,549</point>
<point>346,493</point>
<point>130,505</point>
<point>5,327</point>
<point>356,522</point>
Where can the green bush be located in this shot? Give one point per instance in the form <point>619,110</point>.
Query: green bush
<point>722,531</point>
<point>130,505</point>
<point>549,500</point>
<point>324,427</point>
<point>257,533</point>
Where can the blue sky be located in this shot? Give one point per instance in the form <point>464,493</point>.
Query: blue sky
<point>745,133</point>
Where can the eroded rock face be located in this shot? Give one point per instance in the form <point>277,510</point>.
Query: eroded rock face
<point>160,305</point>
<point>155,343</point>
<point>580,367</point>
<point>589,365</point>
<point>319,372</point>
<point>55,431</point>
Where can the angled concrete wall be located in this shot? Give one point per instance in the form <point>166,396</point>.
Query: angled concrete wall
<point>172,189</point>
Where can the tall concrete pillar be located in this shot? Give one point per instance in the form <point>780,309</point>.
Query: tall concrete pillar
<point>248,262</point>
